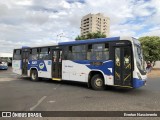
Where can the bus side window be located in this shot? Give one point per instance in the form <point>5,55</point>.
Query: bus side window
<point>34,54</point>
<point>70,56</point>
<point>44,54</point>
<point>98,51</point>
<point>65,53</point>
<point>79,52</point>
<point>106,52</point>
<point>17,55</point>
<point>89,52</point>
<point>69,53</point>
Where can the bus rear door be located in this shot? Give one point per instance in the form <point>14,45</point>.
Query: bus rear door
<point>57,64</point>
<point>25,57</point>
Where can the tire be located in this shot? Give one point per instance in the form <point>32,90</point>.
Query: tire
<point>34,75</point>
<point>97,82</point>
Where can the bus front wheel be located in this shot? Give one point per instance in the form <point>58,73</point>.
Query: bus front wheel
<point>34,75</point>
<point>97,82</point>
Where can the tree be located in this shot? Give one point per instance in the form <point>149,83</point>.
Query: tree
<point>151,48</point>
<point>99,35</point>
<point>78,38</point>
<point>91,36</point>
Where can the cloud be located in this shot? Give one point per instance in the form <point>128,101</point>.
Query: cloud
<point>154,31</point>
<point>35,22</point>
<point>37,17</point>
<point>143,8</point>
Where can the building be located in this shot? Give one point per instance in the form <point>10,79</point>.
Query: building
<point>95,23</point>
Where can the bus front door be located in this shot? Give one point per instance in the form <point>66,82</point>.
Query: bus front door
<point>25,56</point>
<point>57,64</point>
<point>123,64</point>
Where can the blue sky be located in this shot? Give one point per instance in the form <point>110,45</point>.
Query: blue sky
<point>39,22</point>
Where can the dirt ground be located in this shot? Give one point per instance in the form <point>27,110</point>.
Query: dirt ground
<point>155,72</point>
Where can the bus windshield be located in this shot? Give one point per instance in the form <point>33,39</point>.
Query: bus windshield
<point>139,59</point>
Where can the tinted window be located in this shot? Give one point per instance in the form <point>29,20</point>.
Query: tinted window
<point>87,52</point>
<point>75,52</point>
<point>34,54</point>
<point>17,55</point>
<point>44,50</point>
<point>98,52</point>
<point>79,52</point>
<point>17,52</point>
<point>98,47</point>
<point>34,51</point>
<point>44,54</point>
<point>80,48</point>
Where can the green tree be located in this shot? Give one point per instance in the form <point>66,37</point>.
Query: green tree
<point>78,38</point>
<point>91,36</point>
<point>151,48</point>
<point>99,35</point>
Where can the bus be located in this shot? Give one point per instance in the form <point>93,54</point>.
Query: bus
<point>101,62</point>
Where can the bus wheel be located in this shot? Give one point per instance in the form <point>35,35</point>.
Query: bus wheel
<point>34,75</point>
<point>97,82</point>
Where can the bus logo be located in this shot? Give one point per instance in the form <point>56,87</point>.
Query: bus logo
<point>41,65</point>
<point>34,62</point>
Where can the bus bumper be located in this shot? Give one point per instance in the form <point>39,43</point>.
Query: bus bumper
<point>3,67</point>
<point>137,83</point>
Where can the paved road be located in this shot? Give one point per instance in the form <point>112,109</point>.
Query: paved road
<point>7,73</point>
<point>24,95</point>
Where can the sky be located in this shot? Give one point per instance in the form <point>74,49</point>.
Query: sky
<point>42,22</point>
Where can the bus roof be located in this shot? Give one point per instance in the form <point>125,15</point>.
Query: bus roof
<point>44,45</point>
<point>90,41</point>
<point>97,40</point>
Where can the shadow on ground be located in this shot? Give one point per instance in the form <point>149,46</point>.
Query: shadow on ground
<point>81,84</point>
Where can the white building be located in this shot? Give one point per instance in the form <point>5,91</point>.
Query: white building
<point>94,23</point>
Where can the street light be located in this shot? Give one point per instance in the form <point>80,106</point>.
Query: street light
<point>62,35</point>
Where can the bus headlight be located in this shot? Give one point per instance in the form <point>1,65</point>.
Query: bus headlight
<point>139,76</point>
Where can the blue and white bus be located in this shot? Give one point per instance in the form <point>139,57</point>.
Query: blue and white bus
<point>115,61</point>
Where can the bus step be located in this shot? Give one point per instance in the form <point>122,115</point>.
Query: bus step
<point>58,79</point>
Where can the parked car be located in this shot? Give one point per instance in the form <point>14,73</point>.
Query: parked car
<point>3,65</point>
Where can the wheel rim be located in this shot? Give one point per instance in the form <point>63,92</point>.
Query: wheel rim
<point>98,82</point>
<point>33,76</point>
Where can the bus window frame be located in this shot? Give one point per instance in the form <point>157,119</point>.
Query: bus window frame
<point>20,53</point>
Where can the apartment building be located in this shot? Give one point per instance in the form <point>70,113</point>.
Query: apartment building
<point>94,23</point>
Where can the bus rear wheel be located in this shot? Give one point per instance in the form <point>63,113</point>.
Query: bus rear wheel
<point>34,75</point>
<point>97,82</point>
